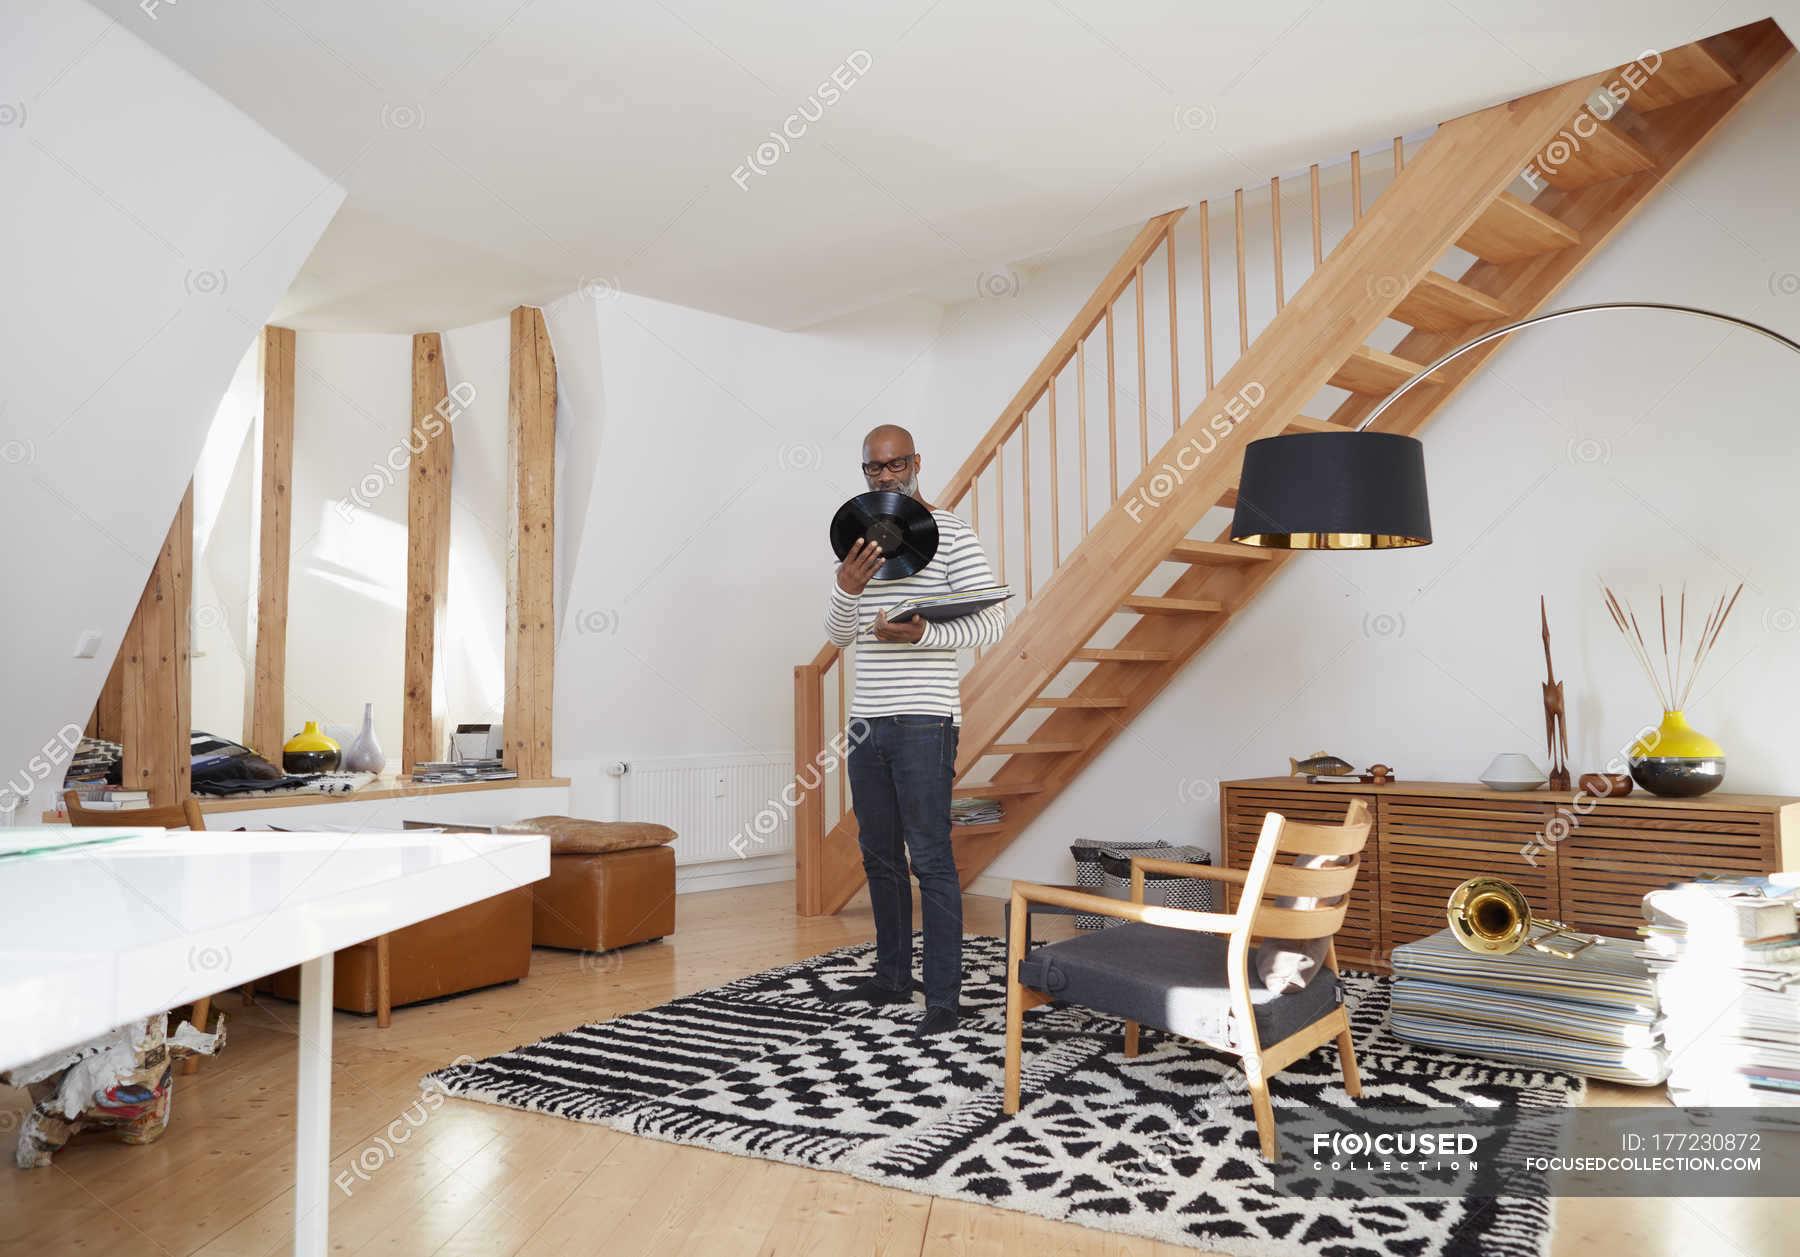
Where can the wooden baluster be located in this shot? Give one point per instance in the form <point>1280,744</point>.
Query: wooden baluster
<point>1243,310</point>
<point>1174,347</point>
<point>1000,502</point>
<point>975,518</point>
<point>1143,392</point>
<point>1399,155</point>
<point>1025,490</point>
<point>843,666</point>
<point>1081,423</point>
<point>1112,409</point>
<point>1356,186</point>
<point>1206,320</point>
<point>1318,240</point>
<point>1275,220</point>
<point>809,813</point>
<point>1055,491</point>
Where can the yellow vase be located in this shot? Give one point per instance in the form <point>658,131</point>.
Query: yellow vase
<point>1677,761</point>
<point>310,751</point>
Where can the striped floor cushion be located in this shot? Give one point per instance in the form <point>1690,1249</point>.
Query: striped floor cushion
<point>1607,975</point>
<point>1527,1014</point>
<point>1640,1066</point>
<point>1594,1013</point>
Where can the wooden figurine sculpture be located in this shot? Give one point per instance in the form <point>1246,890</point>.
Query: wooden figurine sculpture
<point>1556,713</point>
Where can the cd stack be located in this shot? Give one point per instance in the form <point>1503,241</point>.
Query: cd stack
<point>1726,956</point>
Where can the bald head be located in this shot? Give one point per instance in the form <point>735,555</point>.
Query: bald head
<point>889,436</point>
<point>889,450</point>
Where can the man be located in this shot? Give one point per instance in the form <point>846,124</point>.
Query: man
<point>908,701</point>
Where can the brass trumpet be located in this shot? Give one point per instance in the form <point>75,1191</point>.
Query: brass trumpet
<point>1490,915</point>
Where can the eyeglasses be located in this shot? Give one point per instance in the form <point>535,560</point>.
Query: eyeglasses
<point>895,465</point>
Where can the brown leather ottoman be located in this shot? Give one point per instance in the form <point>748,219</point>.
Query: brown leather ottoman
<point>611,883</point>
<point>481,944</point>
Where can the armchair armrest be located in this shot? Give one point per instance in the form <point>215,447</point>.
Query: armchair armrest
<point>1142,864</point>
<point>1148,914</point>
<point>1181,868</point>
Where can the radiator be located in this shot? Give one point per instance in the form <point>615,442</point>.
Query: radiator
<point>724,807</point>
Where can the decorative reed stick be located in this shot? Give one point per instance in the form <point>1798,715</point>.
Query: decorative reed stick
<point>1680,667</point>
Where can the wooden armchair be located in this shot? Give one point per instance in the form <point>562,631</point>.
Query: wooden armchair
<point>1190,973</point>
<point>183,815</point>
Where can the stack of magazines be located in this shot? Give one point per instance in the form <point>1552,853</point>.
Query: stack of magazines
<point>949,606</point>
<point>1726,956</point>
<point>440,771</point>
<point>975,811</point>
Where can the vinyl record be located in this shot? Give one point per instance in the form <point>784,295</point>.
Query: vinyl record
<point>905,531</point>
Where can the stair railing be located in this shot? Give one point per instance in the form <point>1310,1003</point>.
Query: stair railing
<point>1080,372</point>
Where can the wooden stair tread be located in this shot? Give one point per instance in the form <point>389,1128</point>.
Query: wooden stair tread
<point>1217,552</point>
<point>1076,702</point>
<point>1305,423</point>
<point>1510,229</point>
<point>1035,748</point>
<point>1145,605</point>
<point>983,789</point>
<point>1228,499</point>
<point>1606,154</point>
<point>1374,372</point>
<point>1441,304</point>
<point>1686,72</point>
<point>1096,655</point>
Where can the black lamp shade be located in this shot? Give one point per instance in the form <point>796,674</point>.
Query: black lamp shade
<point>1333,491</point>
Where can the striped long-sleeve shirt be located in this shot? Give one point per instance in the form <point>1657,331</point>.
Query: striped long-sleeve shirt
<point>917,677</point>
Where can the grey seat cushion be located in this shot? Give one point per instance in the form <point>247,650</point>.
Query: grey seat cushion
<point>1171,979</point>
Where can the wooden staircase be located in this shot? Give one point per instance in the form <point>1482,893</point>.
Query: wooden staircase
<point>1064,662</point>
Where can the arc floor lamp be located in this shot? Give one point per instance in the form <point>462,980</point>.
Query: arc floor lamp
<point>1362,490</point>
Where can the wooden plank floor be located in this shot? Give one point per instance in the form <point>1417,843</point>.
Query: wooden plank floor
<point>484,1181</point>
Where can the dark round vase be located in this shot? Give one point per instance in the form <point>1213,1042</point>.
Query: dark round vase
<point>309,761</point>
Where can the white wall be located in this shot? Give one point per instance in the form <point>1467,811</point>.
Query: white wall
<point>1646,449</point>
<point>148,229</point>
<point>722,449</point>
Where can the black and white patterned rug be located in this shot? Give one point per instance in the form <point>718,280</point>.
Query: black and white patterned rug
<point>1162,1145</point>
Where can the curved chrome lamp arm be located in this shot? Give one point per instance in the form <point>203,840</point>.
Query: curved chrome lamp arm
<point>1485,337</point>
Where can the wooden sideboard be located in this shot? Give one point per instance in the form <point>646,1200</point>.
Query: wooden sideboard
<point>1592,871</point>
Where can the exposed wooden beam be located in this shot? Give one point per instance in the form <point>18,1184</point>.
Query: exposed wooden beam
<point>531,548</point>
<point>427,555</point>
<point>155,713</point>
<point>109,715</point>
<point>271,531</point>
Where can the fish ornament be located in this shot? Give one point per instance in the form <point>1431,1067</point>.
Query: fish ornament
<point>1319,764</point>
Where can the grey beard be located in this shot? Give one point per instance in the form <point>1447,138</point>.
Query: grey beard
<point>910,488</point>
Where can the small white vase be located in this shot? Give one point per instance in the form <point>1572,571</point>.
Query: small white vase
<point>364,754</point>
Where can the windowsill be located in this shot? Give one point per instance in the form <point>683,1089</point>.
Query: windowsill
<point>380,788</point>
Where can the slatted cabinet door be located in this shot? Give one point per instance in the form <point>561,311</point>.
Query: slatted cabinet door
<point>1617,852</point>
<point>1241,813</point>
<point>1430,845</point>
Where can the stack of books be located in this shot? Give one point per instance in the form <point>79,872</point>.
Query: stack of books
<point>975,811</point>
<point>1725,953</point>
<point>91,764</point>
<point>438,772</point>
<point>105,798</point>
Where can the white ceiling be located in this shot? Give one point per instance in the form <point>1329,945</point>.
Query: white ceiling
<point>499,151</point>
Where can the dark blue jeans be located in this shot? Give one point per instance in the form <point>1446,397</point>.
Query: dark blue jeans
<point>900,774</point>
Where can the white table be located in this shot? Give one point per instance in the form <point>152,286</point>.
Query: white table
<point>98,936</point>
